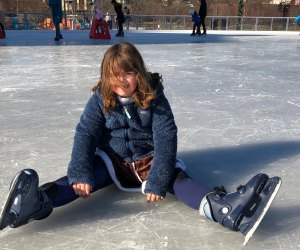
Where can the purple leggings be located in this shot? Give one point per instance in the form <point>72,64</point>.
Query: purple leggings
<point>182,186</point>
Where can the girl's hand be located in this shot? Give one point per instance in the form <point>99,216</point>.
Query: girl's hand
<point>153,197</point>
<point>82,189</point>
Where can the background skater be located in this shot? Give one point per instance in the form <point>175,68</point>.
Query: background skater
<point>56,9</point>
<point>120,17</point>
<point>203,13</point>
<point>196,20</point>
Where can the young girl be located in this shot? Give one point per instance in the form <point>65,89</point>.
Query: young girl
<point>127,135</point>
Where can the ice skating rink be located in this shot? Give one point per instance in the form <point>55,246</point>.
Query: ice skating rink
<point>236,100</point>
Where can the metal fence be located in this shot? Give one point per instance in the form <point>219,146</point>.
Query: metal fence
<point>42,21</point>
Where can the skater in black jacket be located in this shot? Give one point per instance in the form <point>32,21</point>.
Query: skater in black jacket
<point>56,9</point>
<point>120,17</point>
<point>203,13</point>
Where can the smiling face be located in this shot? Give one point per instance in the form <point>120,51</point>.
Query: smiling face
<point>124,83</point>
<point>124,73</point>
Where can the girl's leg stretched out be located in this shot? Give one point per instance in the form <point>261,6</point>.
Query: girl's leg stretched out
<point>241,211</point>
<point>187,190</point>
<point>26,201</point>
<point>61,192</point>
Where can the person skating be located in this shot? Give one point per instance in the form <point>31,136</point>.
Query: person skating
<point>56,8</point>
<point>120,17</point>
<point>2,31</point>
<point>203,13</point>
<point>196,20</point>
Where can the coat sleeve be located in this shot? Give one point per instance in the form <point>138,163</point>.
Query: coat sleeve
<point>165,147</point>
<point>88,131</point>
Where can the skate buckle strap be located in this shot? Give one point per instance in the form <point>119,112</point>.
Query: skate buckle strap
<point>219,190</point>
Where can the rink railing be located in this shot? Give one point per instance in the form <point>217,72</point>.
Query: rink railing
<point>152,22</point>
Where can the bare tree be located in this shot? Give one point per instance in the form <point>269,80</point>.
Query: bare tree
<point>171,7</point>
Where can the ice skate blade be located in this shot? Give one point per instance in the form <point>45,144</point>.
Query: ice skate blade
<point>9,201</point>
<point>261,216</point>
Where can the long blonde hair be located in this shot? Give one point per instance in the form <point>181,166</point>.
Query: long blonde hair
<point>126,57</point>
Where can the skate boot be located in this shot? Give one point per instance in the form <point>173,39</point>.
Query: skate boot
<point>193,34</point>
<point>25,202</point>
<point>244,209</point>
<point>58,37</point>
<point>120,34</point>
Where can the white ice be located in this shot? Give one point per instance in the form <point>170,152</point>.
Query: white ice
<point>236,101</point>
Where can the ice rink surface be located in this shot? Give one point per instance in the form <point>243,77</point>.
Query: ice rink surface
<point>236,101</point>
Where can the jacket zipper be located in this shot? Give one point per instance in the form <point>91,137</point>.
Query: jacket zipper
<point>126,112</point>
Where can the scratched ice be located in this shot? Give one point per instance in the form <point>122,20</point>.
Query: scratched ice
<point>236,100</point>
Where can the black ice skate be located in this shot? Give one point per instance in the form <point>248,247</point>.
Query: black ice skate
<point>25,202</point>
<point>58,37</point>
<point>120,34</point>
<point>244,209</point>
